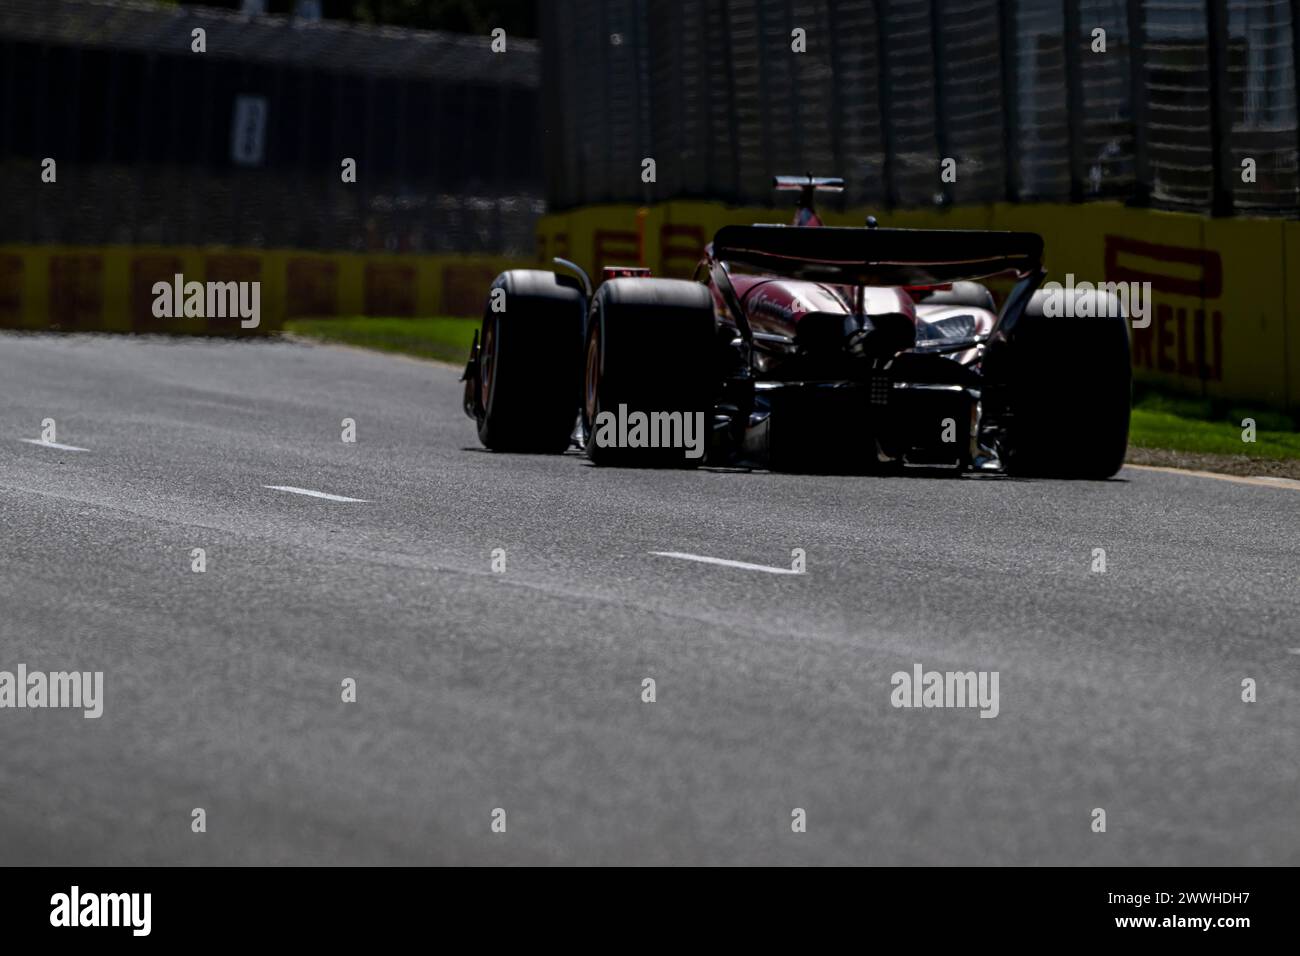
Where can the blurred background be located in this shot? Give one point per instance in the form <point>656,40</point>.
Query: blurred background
<point>461,149</point>
<point>1035,104</point>
<point>241,145</point>
<point>1147,140</point>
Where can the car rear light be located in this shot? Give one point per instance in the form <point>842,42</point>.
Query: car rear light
<point>623,272</point>
<point>920,292</point>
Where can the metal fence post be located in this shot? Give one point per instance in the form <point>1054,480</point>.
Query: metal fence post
<point>8,54</point>
<point>796,124</point>
<point>882,99</point>
<point>140,169</point>
<point>1074,98</point>
<point>837,110</point>
<point>73,117</point>
<point>940,101</point>
<point>1137,67</point>
<point>38,138</point>
<point>366,161</point>
<point>1216,37</point>
<point>1295,63</point>
<point>733,124</point>
<point>1010,98</point>
<point>206,166</point>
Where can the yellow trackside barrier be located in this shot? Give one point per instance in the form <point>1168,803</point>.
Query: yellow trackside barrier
<point>110,288</point>
<point>1290,347</point>
<point>1219,318</point>
<point>1220,323</point>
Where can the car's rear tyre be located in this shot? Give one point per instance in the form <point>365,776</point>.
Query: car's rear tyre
<point>650,349</point>
<point>528,366</point>
<point>1060,389</point>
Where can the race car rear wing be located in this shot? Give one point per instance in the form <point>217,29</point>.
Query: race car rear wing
<point>880,257</point>
<point>821,184</point>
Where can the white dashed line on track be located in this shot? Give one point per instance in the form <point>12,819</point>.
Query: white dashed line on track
<point>52,444</point>
<point>313,494</point>
<point>725,562</point>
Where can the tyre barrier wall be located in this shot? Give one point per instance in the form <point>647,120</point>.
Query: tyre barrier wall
<point>1225,312</point>
<point>110,288</point>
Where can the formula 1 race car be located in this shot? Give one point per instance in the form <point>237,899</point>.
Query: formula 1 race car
<point>809,348</point>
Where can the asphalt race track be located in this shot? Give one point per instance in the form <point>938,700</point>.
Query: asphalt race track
<point>522,690</point>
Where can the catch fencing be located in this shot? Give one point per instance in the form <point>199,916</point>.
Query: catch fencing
<point>242,145</point>
<point>1177,104</point>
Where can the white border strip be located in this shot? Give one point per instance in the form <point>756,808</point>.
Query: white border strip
<point>1259,481</point>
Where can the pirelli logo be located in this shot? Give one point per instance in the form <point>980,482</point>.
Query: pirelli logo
<point>1186,338</point>
<point>1175,270</point>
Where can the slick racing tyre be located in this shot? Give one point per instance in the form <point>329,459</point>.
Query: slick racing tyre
<point>1061,389</point>
<point>529,363</point>
<point>648,373</point>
